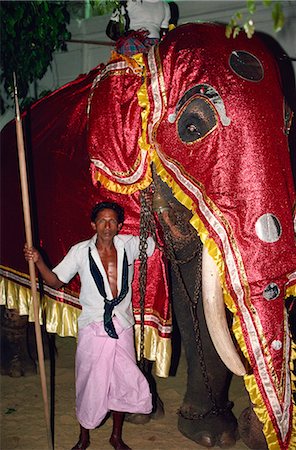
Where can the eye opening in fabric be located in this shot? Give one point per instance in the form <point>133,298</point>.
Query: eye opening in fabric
<point>205,91</point>
<point>196,119</point>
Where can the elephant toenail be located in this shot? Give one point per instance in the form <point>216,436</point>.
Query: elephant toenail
<point>206,440</point>
<point>226,440</point>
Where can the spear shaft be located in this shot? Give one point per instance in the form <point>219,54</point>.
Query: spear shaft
<point>29,240</point>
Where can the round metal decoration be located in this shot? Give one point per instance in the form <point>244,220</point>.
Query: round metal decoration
<point>246,65</point>
<point>271,292</point>
<point>268,228</point>
<point>276,345</point>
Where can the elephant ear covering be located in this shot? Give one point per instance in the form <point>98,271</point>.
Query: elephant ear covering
<point>63,196</point>
<point>219,142</point>
<point>118,154</point>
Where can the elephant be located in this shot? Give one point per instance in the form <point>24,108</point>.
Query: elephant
<point>205,415</point>
<point>200,123</point>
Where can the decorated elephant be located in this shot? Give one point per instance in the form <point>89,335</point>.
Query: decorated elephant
<point>201,123</point>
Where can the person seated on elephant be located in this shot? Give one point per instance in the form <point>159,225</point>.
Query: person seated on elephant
<point>139,24</point>
<point>107,376</point>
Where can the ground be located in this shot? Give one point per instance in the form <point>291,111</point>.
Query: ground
<point>22,412</point>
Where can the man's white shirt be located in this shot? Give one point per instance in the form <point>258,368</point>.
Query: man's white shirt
<point>77,261</point>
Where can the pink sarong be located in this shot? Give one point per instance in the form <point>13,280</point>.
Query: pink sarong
<point>107,376</point>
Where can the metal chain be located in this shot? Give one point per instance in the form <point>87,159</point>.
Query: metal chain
<point>170,246</point>
<point>212,412</point>
<point>147,227</point>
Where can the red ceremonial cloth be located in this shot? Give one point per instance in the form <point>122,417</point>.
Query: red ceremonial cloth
<point>62,196</point>
<point>212,115</point>
<point>218,129</point>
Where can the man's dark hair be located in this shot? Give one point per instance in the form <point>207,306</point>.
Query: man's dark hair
<point>108,205</point>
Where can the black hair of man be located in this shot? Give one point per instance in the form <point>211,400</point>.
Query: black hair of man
<point>108,205</point>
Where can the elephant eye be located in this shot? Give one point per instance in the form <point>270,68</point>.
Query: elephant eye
<point>192,129</point>
<point>196,119</point>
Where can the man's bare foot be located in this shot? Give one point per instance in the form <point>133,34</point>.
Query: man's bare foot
<point>81,445</point>
<point>118,444</point>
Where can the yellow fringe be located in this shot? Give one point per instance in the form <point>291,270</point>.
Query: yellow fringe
<point>136,62</point>
<point>122,188</point>
<point>143,101</point>
<point>214,251</point>
<point>291,291</point>
<point>61,318</point>
<point>155,349</point>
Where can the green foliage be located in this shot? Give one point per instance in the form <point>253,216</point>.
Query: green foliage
<point>278,17</point>
<point>101,7</point>
<point>238,21</point>
<point>30,32</point>
<point>88,8</point>
<point>251,6</point>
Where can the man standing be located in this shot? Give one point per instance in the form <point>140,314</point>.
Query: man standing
<point>107,376</point>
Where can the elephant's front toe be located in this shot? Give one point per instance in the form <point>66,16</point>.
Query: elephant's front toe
<point>210,431</point>
<point>250,430</point>
<point>205,439</point>
<point>208,439</point>
<point>188,429</point>
<point>227,439</point>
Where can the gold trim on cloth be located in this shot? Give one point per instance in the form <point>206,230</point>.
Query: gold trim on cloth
<point>143,101</point>
<point>281,412</point>
<point>120,188</point>
<point>61,318</point>
<point>291,291</point>
<point>115,173</point>
<point>155,349</point>
<point>130,183</point>
<point>293,381</point>
<point>132,62</point>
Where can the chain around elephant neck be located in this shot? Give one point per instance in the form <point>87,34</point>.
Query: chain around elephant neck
<point>147,226</point>
<point>170,246</point>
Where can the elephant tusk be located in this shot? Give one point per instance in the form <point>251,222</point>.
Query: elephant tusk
<point>215,315</point>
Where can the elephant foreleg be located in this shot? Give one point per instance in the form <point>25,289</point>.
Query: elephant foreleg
<point>205,415</point>
<point>15,358</point>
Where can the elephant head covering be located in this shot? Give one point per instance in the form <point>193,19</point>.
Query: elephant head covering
<point>218,132</point>
<point>213,123</point>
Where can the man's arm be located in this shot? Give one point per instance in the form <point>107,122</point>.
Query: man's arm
<point>48,275</point>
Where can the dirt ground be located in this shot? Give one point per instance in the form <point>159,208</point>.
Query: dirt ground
<point>22,412</point>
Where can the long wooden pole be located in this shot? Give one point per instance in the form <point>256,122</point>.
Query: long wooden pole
<point>29,240</point>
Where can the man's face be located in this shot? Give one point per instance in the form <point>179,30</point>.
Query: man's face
<point>106,224</point>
